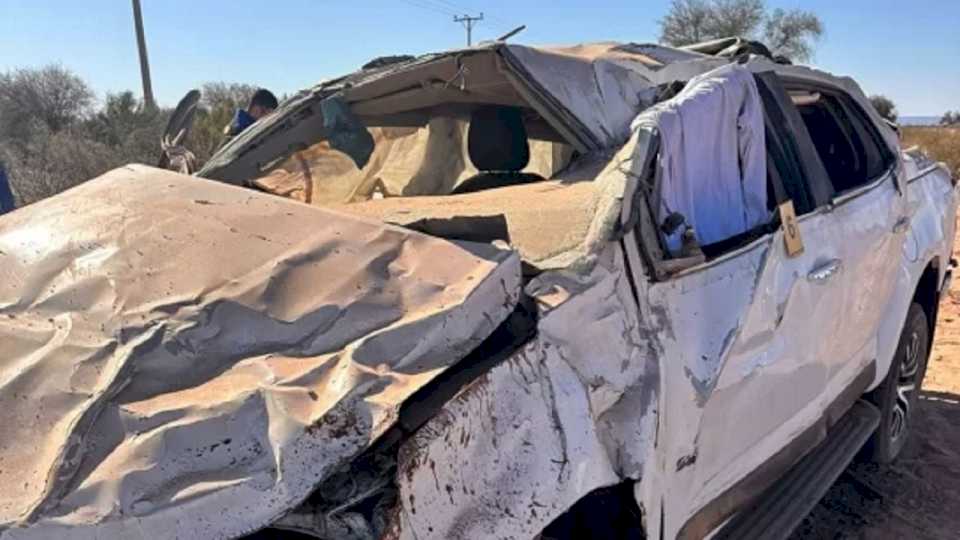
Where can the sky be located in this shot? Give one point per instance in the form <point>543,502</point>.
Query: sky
<point>909,51</point>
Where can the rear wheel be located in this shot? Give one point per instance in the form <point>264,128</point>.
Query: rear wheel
<point>897,394</point>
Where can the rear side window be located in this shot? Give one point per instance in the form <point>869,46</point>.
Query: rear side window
<point>849,146</point>
<point>793,165</point>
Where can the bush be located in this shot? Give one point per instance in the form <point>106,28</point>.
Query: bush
<point>52,137</point>
<point>940,143</point>
<point>51,96</point>
<point>885,107</point>
<point>217,105</point>
<point>53,162</point>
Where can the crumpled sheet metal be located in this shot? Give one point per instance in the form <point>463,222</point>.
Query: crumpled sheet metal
<point>602,85</point>
<point>182,358</point>
<point>590,93</point>
<point>572,411</point>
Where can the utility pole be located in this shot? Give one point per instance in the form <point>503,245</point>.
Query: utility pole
<point>468,23</point>
<point>148,102</point>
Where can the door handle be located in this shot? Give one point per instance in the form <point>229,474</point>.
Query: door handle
<point>901,225</point>
<point>825,271</point>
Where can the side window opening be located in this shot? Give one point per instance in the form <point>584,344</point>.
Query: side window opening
<point>817,145</point>
<point>739,152</point>
<point>788,173</point>
<point>797,173</point>
<point>849,147</point>
<point>710,192</point>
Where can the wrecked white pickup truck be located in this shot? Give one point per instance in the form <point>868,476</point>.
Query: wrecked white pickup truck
<point>603,291</point>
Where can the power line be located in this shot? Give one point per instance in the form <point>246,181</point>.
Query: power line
<point>426,4</point>
<point>444,6</point>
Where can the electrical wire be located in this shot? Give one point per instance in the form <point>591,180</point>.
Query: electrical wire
<point>430,6</point>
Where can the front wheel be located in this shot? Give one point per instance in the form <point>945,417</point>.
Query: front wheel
<point>896,397</point>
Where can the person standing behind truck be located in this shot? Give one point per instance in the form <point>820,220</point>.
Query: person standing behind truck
<point>262,103</point>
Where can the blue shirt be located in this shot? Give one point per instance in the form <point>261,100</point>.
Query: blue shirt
<point>6,195</point>
<point>241,121</point>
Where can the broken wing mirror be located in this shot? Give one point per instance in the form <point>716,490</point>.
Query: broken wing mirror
<point>172,150</point>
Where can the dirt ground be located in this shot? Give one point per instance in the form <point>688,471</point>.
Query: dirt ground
<point>917,497</point>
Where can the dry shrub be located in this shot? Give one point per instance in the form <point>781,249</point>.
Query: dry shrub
<point>940,143</point>
<point>55,135</point>
<point>216,110</point>
<point>53,163</point>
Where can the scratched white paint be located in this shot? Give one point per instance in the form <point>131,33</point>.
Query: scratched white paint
<point>570,412</point>
<point>756,349</point>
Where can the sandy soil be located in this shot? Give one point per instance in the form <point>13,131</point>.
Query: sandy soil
<point>917,497</point>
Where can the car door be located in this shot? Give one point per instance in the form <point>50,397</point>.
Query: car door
<point>748,346</point>
<point>867,216</point>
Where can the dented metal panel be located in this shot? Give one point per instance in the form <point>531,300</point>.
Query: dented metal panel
<point>930,224</point>
<point>184,359</point>
<point>756,325</point>
<point>586,94</point>
<point>572,411</point>
<point>592,83</point>
<point>187,359</point>
<point>774,342</point>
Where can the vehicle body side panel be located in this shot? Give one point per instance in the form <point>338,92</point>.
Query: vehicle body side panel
<point>931,202</point>
<point>865,235</point>
<point>572,411</point>
<point>748,329</point>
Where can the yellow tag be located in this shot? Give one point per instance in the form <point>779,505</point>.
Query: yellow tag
<point>791,230</point>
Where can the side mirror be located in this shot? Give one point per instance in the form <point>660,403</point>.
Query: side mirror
<point>178,128</point>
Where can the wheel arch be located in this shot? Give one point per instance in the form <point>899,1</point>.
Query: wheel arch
<point>916,283</point>
<point>927,293</point>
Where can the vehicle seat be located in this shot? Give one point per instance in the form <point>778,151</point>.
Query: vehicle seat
<point>498,147</point>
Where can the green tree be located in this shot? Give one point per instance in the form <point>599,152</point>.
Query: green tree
<point>121,114</point>
<point>788,33</point>
<point>45,100</point>
<point>885,107</point>
<point>792,33</point>
<point>218,102</point>
<point>53,137</point>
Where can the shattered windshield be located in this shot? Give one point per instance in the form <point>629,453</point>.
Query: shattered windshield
<point>441,124</point>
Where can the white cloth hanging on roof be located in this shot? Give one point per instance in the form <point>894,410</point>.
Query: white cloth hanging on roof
<point>712,167</point>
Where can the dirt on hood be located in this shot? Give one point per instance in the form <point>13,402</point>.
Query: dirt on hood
<point>183,358</point>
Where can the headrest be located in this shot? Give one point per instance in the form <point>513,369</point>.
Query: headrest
<point>497,139</point>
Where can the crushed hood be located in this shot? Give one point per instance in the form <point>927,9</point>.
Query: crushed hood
<point>183,358</point>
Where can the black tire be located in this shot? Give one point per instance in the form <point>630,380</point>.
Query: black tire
<point>896,397</point>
